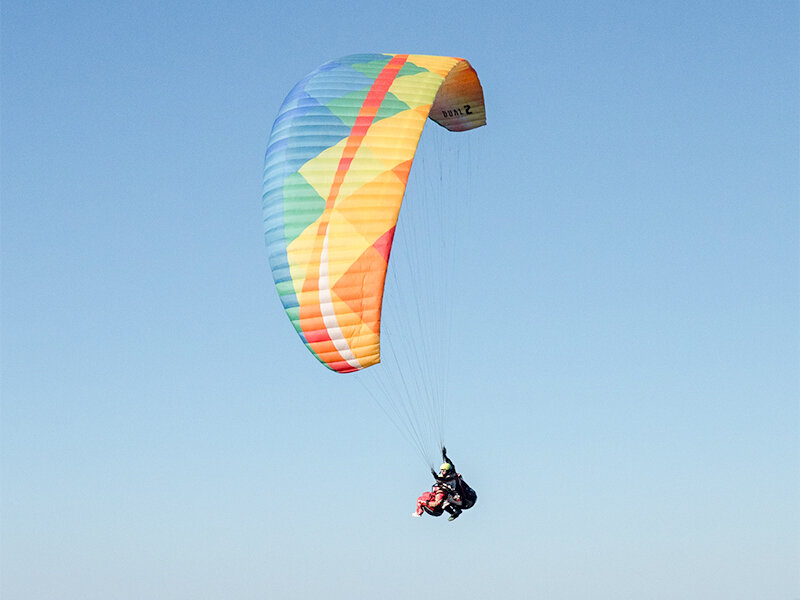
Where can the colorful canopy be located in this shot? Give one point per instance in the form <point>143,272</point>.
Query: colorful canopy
<point>335,172</point>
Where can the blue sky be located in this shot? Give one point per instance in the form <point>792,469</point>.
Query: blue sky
<point>624,375</point>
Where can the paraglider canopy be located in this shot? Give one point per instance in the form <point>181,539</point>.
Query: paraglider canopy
<point>335,172</point>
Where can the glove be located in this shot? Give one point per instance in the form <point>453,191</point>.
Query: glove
<point>444,453</point>
<point>433,473</point>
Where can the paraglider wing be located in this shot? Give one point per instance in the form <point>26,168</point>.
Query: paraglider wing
<point>335,172</point>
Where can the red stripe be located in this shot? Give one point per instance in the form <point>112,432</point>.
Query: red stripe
<point>366,115</point>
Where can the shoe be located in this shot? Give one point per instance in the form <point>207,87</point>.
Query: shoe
<point>454,516</point>
<point>414,514</point>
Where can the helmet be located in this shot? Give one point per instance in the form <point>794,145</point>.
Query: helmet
<point>445,467</point>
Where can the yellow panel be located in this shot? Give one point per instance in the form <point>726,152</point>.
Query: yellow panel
<point>364,168</point>
<point>394,140</point>
<point>372,209</point>
<point>320,170</point>
<point>417,89</point>
<point>345,245</point>
<point>300,255</point>
<point>437,64</point>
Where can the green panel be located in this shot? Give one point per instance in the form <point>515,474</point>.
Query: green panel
<point>390,106</point>
<point>348,106</point>
<point>302,206</point>
<point>372,68</point>
<point>294,317</point>
<point>285,288</point>
<point>410,68</point>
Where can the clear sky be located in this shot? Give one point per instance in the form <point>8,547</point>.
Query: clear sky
<point>625,354</point>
